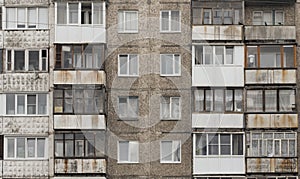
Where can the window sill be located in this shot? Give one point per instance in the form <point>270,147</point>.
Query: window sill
<point>170,32</point>
<point>170,162</point>
<point>170,75</point>
<point>170,119</point>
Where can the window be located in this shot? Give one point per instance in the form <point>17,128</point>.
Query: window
<point>215,16</point>
<point>271,100</point>
<point>170,65</point>
<point>79,56</point>
<point>128,21</point>
<point>218,100</point>
<point>37,18</point>
<point>170,152</point>
<point>277,144</point>
<point>79,144</point>
<point>128,152</point>
<point>128,107</point>
<point>219,144</point>
<point>26,104</point>
<point>26,148</point>
<point>273,17</point>
<point>271,56</point>
<point>170,21</point>
<point>80,13</point>
<point>170,108</point>
<point>78,99</point>
<point>128,65</point>
<point>214,55</point>
<point>27,60</point>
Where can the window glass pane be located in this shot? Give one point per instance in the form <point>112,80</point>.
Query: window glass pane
<point>252,57</point>
<point>288,57</point>
<point>31,147</point>
<point>268,18</point>
<point>61,13</point>
<point>68,103</point>
<point>32,18</point>
<point>131,21</point>
<point>73,13</point>
<point>225,144</point>
<point>176,151</point>
<point>219,100</point>
<point>254,101</point>
<point>19,60</point>
<point>208,55</point>
<point>270,152</point>
<point>165,108</point>
<point>10,148</point>
<point>229,100</point>
<point>219,57</point>
<point>196,16</point>
<point>218,16</point>
<point>20,147</point>
<point>237,144</point>
<point>257,18</point>
<point>176,64</point>
<point>86,13</point>
<point>175,107</point>
<point>166,64</point>
<point>98,13</point>
<point>287,100</point>
<point>175,21</point>
<point>122,106</point>
<point>238,100</point>
<point>98,54</point>
<point>292,148</point>
<point>88,57</point>
<point>69,148</point>
<point>227,17</point>
<point>270,56</point>
<point>133,65</point>
<point>166,150</point>
<point>206,16</point>
<point>279,18</point>
<point>31,104</point>
<point>77,57</point>
<point>33,61</point>
<point>209,100</point>
<point>20,104</point>
<point>59,148</point>
<point>123,62</point>
<point>123,151</point>
<point>43,18</point>
<point>284,147</point>
<point>40,147</point>
<point>270,100</point>
<point>10,104</point>
<point>134,151</point>
<point>11,18</point>
<point>21,18</point>
<point>201,144</point>
<point>277,147</point>
<point>199,100</point>
<point>213,144</point>
<point>198,55</point>
<point>236,16</point>
<point>42,103</point>
<point>229,55</point>
<point>133,107</point>
<point>164,21</point>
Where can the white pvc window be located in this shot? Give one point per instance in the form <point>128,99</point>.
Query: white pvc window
<point>27,60</point>
<point>26,104</point>
<point>128,152</point>
<point>80,13</point>
<point>170,108</point>
<point>277,144</point>
<point>170,65</point>
<point>23,18</point>
<point>170,21</point>
<point>128,65</point>
<point>219,144</point>
<point>268,17</point>
<point>25,148</point>
<point>128,107</point>
<point>170,151</point>
<point>128,21</point>
<point>214,55</point>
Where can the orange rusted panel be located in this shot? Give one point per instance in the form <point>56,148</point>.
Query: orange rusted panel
<point>272,120</point>
<point>272,165</point>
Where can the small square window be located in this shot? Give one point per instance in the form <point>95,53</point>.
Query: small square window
<point>170,65</point>
<point>128,152</point>
<point>128,21</point>
<point>170,108</point>
<point>170,21</point>
<point>170,152</point>
<point>128,65</point>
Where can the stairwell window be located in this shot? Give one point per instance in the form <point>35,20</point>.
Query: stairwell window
<point>170,21</point>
